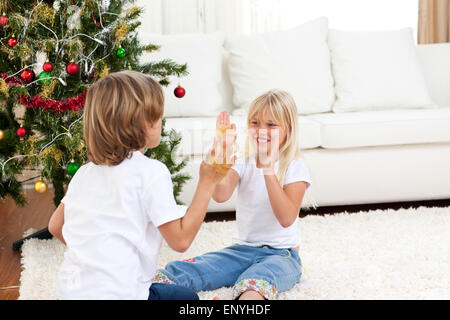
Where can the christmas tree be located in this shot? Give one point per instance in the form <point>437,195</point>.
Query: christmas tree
<point>51,51</point>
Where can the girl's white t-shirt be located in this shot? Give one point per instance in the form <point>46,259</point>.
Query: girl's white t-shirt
<point>256,222</point>
<point>111,215</point>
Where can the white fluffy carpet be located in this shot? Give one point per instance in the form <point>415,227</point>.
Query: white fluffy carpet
<point>381,254</point>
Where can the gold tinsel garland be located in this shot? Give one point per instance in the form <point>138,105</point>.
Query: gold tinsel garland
<point>74,47</point>
<point>44,13</point>
<point>48,89</point>
<point>103,70</point>
<point>121,32</point>
<point>52,152</point>
<point>28,150</point>
<point>132,10</point>
<point>23,51</point>
<point>4,88</point>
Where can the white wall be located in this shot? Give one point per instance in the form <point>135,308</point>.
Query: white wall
<point>353,14</point>
<point>250,16</point>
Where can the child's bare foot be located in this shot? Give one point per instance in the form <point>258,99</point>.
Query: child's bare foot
<point>251,295</point>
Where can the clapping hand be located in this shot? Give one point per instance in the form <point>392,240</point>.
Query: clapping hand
<point>222,153</point>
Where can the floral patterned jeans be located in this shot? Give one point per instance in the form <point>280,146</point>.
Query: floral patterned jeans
<point>265,270</point>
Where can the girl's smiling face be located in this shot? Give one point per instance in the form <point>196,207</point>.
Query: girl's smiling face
<point>265,131</point>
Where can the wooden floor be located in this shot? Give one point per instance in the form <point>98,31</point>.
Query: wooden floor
<point>15,221</point>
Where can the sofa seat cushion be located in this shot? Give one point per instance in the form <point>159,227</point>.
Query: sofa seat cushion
<point>197,133</point>
<point>381,128</point>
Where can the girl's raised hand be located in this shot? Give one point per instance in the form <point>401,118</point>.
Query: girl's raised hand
<point>268,152</point>
<point>223,120</point>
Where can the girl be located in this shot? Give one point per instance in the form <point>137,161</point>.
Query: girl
<point>119,205</point>
<point>271,183</point>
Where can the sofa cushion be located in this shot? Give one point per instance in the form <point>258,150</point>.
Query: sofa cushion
<point>435,62</point>
<point>198,133</point>
<point>203,54</point>
<point>376,70</point>
<point>295,60</point>
<point>380,128</point>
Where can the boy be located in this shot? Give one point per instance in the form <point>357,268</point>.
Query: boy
<point>120,205</point>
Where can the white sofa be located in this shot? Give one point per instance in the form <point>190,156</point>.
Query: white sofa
<point>365,152</point>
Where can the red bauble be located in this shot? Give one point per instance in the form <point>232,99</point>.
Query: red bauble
<point>4,20</point>
<point>27,75</point>
<point>72,68</point>
<point>12,41</point>
<point>47,67</point>
<point>21,132</point>
<point>179,92</point>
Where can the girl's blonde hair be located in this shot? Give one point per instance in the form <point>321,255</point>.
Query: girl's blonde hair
<point>117,113</point>
<point>283,109</point>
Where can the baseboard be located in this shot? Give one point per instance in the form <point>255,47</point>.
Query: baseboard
<point>231,215</point>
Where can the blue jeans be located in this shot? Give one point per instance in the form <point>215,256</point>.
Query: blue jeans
<point>263,269</point>
<point>162,291</point>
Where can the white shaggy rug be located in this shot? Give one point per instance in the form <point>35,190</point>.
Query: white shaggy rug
<point>381,254</point>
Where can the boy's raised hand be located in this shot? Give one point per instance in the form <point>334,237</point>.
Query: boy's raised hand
<point>208,174</point>
<point>225,138</point>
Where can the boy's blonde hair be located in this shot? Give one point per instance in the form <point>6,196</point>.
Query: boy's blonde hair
<point>283,109</point>
<point>117,113</point>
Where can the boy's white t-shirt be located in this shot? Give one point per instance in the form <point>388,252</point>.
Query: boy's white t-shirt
<point>111,215</point>
<point>256,222</point>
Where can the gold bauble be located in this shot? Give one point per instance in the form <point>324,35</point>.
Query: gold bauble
<point>2,134</point>
<point>40,186</point>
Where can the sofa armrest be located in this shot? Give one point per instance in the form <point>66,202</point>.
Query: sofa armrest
<point>435,61</point>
